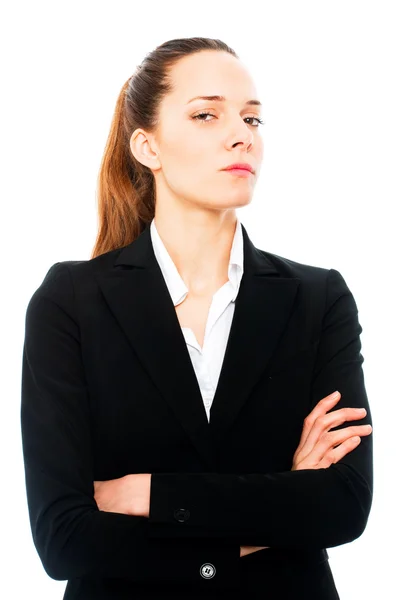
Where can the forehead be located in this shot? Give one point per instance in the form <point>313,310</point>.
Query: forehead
<point>208,73</point>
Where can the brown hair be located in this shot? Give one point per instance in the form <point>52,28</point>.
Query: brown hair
<point>125,187</point>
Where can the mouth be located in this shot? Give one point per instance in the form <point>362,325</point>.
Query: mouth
<point>240,172</point>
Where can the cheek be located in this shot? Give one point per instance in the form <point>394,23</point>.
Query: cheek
<point>182,156</point>
<point>187,161</point>
<point>187,145</point>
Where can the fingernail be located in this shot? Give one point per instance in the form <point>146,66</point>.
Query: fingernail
<point>335,395</point>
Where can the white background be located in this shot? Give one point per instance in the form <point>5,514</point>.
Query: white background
<point>328,76</point>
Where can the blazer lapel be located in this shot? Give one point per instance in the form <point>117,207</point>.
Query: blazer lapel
<point>137,295</point>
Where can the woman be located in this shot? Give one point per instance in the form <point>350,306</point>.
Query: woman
<point>180,433</point>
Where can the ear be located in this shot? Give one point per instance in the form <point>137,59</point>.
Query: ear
<point>140,145</point>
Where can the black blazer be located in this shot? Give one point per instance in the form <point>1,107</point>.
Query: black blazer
<point>108,389</point>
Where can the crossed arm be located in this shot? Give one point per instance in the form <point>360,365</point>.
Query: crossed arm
<point>318,448</point>
<point>307,508</point>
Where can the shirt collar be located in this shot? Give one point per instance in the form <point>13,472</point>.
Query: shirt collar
<point>176,286</point>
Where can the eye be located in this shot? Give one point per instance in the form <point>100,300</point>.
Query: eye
<point>260,122</point>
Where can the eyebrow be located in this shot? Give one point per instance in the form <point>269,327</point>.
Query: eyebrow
<point>223,99</point>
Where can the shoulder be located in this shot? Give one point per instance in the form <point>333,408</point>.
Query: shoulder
<point>326,280</point>
<point>292,268</point>
<point>62,277</point>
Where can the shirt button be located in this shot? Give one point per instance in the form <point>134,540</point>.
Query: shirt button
<point>181,514</point>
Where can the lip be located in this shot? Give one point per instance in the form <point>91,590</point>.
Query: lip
<point>240,166</point>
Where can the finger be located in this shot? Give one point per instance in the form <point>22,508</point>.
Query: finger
<point>325,422</point>
<point>338,453</point>
<point>320,409</point>
<point>321,427</point>
<point>324,405</point>
<point>340,416</point>
<point>330,439</point>
<point>337,437</point>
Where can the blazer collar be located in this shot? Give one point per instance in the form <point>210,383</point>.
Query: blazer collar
<point>135,291</point>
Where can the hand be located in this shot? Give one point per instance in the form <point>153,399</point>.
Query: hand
<point>128,495</point>
<point>250,549</point>
<point>319,447</point>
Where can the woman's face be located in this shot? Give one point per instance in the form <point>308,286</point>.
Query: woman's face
<point>191,152</point>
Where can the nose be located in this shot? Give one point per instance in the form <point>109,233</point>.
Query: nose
<point>242,136</point>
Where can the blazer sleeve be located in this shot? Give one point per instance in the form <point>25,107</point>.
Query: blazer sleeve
<point>311,508</point>
<point>72,536</point>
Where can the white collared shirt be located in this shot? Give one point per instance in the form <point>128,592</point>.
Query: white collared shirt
<point>206,361</point>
